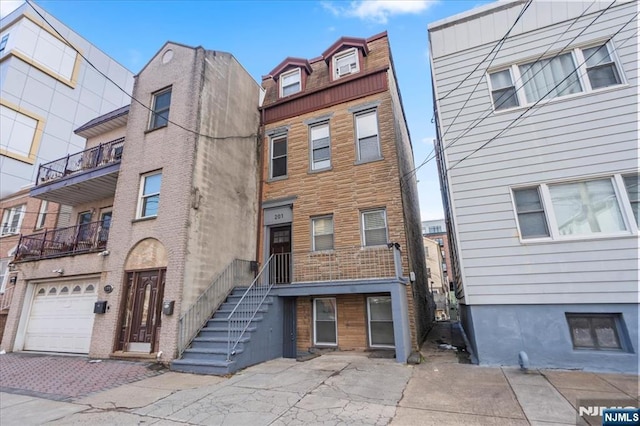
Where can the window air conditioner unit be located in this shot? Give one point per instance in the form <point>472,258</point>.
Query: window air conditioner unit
<point>344,70</point>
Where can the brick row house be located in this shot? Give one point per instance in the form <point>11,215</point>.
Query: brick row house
<point>220,224</point>
<point>338,220</point>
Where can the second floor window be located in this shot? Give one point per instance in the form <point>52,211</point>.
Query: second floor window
<point>160,109</point>
<point>290,83</point>
<point>322,233</point>
<point>368,143</point>
<point>12,220</point>
<point>279,157</point>
<point>149,199</point>
<point>374,227</point>
<point>42,214</point>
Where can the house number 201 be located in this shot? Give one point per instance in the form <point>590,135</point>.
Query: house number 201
<point>278,216</point>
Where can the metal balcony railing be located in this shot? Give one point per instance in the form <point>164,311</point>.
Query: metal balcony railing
<point>87,237</point>
<point>348,263</point>
<point>98,156</point>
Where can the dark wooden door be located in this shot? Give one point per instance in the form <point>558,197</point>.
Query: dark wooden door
<point>280,248</point>
<point>142,314</point>
<point>289,337</point>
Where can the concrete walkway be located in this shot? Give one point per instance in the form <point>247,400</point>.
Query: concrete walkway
<point>340,388</point>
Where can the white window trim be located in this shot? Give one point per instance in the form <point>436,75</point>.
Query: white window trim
<point>344,54</point>
<point>311,162</point>
<point>371,345</point>
<point>581,70</point>
<point>42,214</point>
<point>7,217</point>
<point>287,74</point>
<point>313,233</point>
<point>315,339</point>
<point>154,111</point>
<point>362,226</point>
<point>141,194</point>
<point>4,263</point>
<point>272,140</point>
<point>554,234</point>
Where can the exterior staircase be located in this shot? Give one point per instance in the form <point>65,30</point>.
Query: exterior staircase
<point>207,353</point>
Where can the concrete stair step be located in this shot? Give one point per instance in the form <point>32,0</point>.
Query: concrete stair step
<point>199,366</point>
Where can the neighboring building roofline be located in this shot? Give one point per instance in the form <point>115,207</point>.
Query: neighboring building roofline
<point>104,118</point>
<point>474,14</point>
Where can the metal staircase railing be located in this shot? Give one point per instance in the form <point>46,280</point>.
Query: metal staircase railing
<point>237,273</point>
<point>239,319</point>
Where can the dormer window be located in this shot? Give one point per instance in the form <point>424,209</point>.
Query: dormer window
<point>346,63</point>
<point>290,83</point>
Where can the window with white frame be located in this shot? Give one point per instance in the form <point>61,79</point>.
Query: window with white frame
<point>320,146</point>
<point>42,214</point>
<point>632,185</point>
<point>573,209</point>
<point>290,83</point>
<point>380,322</point>
<point>346,63</point>
<point>160,109</point>
<point>12,220</point>
<point>601,68</point>
<point>503,91</point>
<point>4,274</point>
<point>279,156</point>
<point>374,228</point>
<point>533,222</point>
<point>557,76</point>
<point>325,330</point>
<point>577,70</point>
<point>322,229</point>
<point>368,142</point>
<point>595,331</point>
<point>149,198</point>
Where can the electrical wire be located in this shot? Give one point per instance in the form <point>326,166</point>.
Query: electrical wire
<point>543,97</point>
<point>253,135</point>
<point>498,45</point>
<point>489,111</point>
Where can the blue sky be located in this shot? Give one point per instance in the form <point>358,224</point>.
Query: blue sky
<point>262,33</point>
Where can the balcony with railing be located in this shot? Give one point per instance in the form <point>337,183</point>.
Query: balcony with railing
<point>85,176</point>
<point>341,264</point>
<point>84,238</point>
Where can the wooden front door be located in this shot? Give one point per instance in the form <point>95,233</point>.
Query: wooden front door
<point>280,248</point>
<point>142,315</point>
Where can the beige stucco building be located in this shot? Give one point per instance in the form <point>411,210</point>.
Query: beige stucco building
<point>163,198</point>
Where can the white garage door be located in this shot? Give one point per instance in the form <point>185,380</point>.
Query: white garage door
<point>61,318</point>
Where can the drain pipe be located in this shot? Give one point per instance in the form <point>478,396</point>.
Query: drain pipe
<point>260,180</point>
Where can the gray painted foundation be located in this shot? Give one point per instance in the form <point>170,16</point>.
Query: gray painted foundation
<point>399,302</point>
<point>497,334</point>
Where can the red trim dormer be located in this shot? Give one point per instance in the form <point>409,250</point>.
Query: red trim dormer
<point>345,57</point>
<point>286,67</point>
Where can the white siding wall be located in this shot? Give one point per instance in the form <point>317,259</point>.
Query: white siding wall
<point>578,136</point>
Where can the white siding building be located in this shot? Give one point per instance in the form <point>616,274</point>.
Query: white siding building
<point>47,91</point>
<point>538,154</point>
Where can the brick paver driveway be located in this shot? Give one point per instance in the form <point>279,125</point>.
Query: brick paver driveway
<point>66,377</point>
